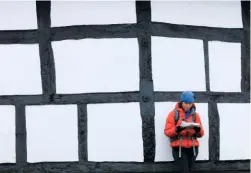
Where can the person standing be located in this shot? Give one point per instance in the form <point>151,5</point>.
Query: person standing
<point>184,142</point>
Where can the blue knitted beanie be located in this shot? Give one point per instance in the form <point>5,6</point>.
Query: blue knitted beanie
<point>187,97</point>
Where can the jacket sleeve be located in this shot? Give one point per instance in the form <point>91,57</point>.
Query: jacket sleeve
<point>170,125</point>
<point>198,120</point>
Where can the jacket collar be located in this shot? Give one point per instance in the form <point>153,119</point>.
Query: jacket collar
<point>178,106</point>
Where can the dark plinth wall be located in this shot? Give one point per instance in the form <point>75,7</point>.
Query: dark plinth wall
<point>142,30</point>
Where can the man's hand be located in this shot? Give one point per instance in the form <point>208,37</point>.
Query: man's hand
<point>197,129</point>
<point>178,129</point>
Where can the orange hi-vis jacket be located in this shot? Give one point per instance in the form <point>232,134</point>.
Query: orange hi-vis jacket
<point>170,126</point>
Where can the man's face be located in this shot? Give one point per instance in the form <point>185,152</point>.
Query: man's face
<point>186,106</point>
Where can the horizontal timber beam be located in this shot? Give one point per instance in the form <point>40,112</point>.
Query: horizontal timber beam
<point>121,97</point>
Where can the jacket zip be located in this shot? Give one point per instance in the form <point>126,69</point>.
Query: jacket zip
<point>187,135</point>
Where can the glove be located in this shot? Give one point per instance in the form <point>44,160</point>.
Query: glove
<point>197,129</point>
<point>178,129</point>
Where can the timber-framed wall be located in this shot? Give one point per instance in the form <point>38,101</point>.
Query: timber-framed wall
<point>142,30</point>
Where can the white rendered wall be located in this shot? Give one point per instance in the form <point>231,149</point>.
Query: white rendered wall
<point>225,66</point>
<point>115,132</point>
<point>178,64</point>
<point>198,13</point>
<point>7,134</point>
<point>18,15</point>
<point>52,133</point>
<point>96,65</point>
<point>234,131</point>
<point>20,69</point>
<point>92,12</point>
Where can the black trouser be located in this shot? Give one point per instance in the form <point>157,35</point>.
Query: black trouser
<point>185,163</point>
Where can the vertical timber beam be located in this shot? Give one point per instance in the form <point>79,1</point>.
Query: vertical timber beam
<point>143,10</point>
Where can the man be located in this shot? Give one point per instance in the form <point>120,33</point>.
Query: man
<point>183,140</point>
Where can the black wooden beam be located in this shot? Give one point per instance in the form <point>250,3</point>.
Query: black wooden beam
<point>143,12</point>
<point>204,97</point>
<point>122,97</point>
<point>245,47</point>
<point>214,131</point>
<point>45,48</point>
<point>124,31</point>
<point>71,98</point>
<point>19,37</point>
<point>94,31</point>
<point>129,167</point>
<point>197,32</point>
<point>206,61</point>
<point>21,143</point>
<point>82,132</point>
